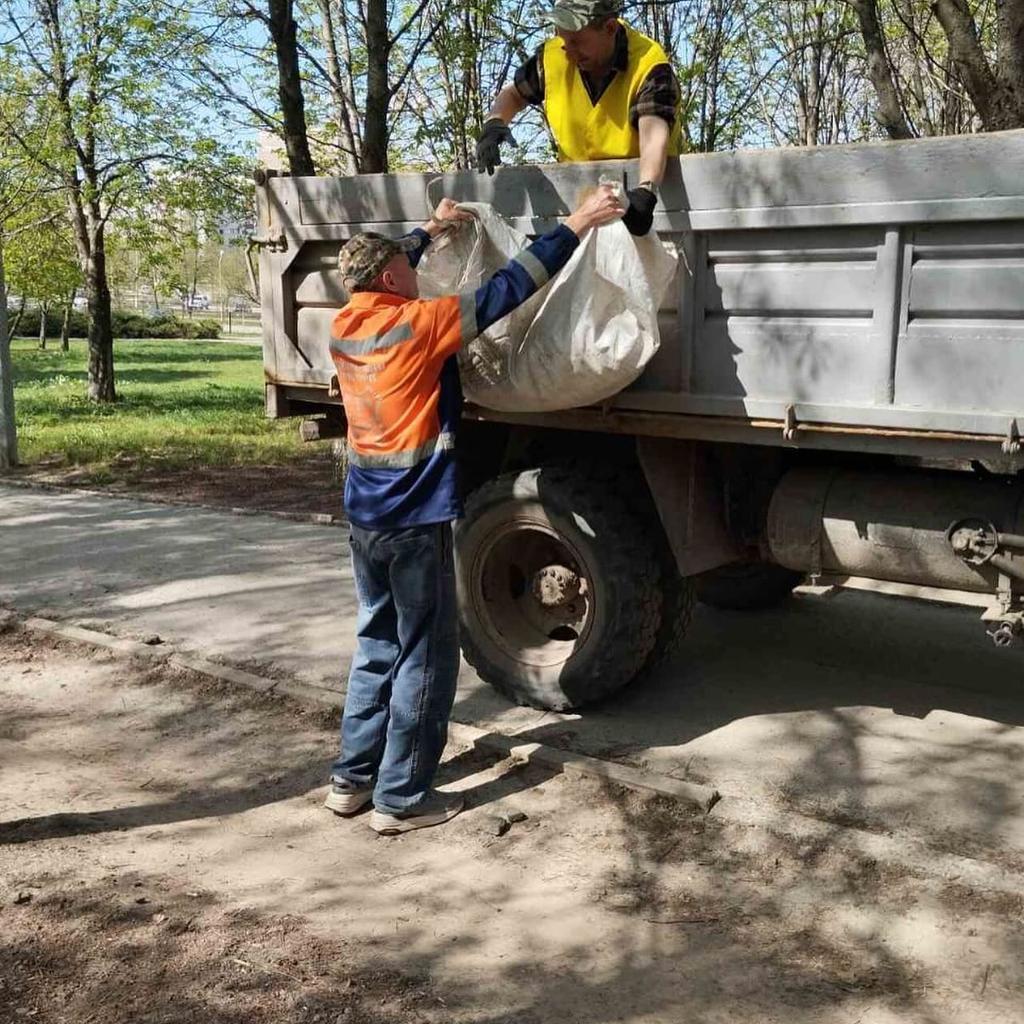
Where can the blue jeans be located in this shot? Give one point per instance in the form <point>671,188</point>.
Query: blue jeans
<point>402,682</point>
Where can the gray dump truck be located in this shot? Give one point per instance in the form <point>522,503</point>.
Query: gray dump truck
<point>838,391</point>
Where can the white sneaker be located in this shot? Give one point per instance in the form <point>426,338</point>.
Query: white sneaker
<point>345,798</point>
<point>435,810</point>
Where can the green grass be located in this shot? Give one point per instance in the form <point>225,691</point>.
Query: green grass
<point>179,403</point>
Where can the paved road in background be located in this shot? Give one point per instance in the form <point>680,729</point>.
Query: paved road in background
<point>854,707</point>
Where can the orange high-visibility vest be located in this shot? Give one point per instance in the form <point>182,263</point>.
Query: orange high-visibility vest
<point>585,130</point>
<point>388,352</point>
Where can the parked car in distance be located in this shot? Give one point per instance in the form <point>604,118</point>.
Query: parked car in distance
<point>198,301</point>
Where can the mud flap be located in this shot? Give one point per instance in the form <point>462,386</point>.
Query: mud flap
<point>688,496</point>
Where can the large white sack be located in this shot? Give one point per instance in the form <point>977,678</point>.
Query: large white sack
<point>580,339</point>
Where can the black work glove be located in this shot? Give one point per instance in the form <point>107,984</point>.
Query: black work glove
<point>488,146</point>
<point>639,215</point>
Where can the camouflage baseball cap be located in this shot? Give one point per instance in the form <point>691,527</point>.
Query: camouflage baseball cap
<point>365,255</point>
<point>572,15</point>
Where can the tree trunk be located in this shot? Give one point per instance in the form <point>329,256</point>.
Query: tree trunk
<point>1010,22</point>
<point>374,158</point>
<point>13,325</point>
<point>814,86</point>
<point>8,431</point>
<point>338,94</point>
<point>890,113</point>
<point>101,331</point>
<point>283,31</point>
<point>994,99</point>
<point>44,309</point>
<point>65,327</point>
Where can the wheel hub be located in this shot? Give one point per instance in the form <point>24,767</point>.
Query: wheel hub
<point>556,586</point>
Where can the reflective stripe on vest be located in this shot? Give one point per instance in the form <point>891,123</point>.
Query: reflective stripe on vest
<point>388,352</point>
<point>585,130</point>
<point>444,442</point>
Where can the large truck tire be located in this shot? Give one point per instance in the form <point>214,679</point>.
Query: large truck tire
<point>678,599</point>
<point>747,586</point>
<point>559,597</point>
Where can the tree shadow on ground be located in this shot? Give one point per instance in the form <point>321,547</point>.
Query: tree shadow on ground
<point>675,915</point>
<point>133,951</point>
<point>131,374</point>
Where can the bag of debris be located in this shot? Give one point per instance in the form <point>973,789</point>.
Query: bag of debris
<point>582,338</point>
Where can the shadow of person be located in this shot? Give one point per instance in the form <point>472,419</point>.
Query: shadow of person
<point>186,805</point>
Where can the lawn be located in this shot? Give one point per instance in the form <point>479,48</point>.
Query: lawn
<point>181,403</point>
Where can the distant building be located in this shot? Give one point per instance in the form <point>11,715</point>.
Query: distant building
<point>233,230</point>
<point>271,152</point>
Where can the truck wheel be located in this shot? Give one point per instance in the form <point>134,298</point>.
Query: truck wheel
<point>678,597</point>
<point>747,586</point>
<point>558,587</point>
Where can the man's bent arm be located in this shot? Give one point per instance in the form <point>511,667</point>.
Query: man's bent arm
<point>654,137</point>
<point>523,275</point>
<point>425,237</point>
<point>507,104</point>
<point>427,232</point>
<point>459,319</point>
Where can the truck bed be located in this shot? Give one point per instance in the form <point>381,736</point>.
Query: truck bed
<point>865,297</point>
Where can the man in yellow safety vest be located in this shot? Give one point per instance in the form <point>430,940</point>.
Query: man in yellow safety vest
<point>608,93</point>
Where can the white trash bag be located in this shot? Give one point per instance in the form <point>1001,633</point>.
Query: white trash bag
<point>583,337</point>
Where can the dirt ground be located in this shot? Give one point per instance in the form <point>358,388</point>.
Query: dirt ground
<point>307,485</point>
<point>164,857</point>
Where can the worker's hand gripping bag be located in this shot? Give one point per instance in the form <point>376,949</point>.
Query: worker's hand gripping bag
<point>580,339</point>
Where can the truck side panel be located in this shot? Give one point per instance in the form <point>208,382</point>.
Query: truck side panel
<point>874,287</point>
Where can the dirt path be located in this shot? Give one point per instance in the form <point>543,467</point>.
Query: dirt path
<point>164,857</point>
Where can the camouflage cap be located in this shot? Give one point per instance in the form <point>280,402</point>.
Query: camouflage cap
<point>365,255</point>
<point>572,15</point>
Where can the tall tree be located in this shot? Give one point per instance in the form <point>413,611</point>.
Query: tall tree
<point>817,40</point>
<point>101,70</point>
<point>284,33</point>
<point>995,82</point>
<point>474,52</point>
<point>344,70</point>
<point>26,205</point>
<point>383,42</point>
<point>41,263</point>
<point>890,112</point>
<point>975,62</point>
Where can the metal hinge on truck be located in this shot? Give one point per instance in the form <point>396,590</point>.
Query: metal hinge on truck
<point>275,243</point>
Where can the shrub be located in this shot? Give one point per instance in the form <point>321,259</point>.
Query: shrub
<point>29,325</point>
<point>126,324</point>
<point>203,328</point>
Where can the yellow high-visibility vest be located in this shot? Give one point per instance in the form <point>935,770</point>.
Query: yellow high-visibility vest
<point>599,131</point>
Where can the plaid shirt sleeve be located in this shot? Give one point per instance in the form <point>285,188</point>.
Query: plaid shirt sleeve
<point>529,81</point>
<point>659,96</point>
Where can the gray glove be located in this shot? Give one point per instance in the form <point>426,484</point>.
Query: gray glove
<point>488,146</point>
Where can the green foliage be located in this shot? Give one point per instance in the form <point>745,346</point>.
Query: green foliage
<point>127,324</point>
<point>119,98</point>
<point>181,403</point>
